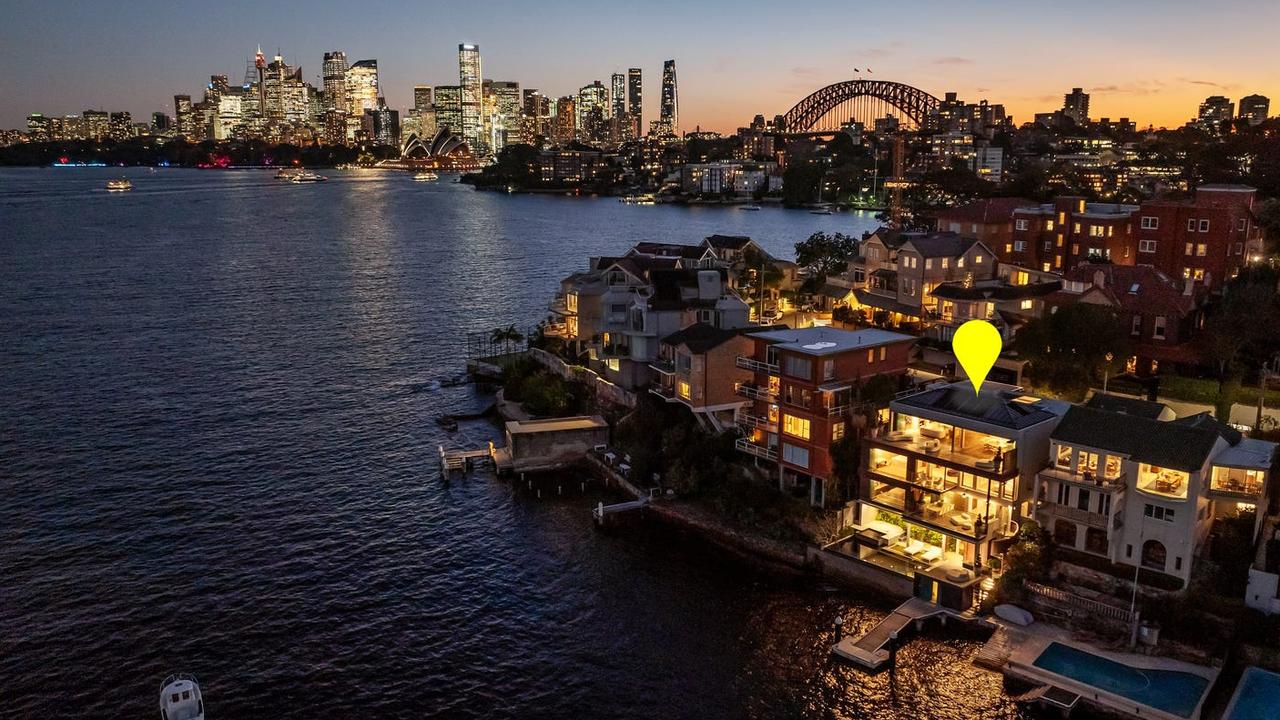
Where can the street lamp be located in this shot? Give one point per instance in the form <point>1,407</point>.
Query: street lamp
<point>1106,373</point>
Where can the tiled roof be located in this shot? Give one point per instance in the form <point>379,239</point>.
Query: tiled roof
<point>668,250</point>
<point>1136,288</point>
<point>990,210</point>
<point>701,337</point>
<point>956,290</point>
<point>732,242</point>
<point>1164,444</point>
<point>943,244</point>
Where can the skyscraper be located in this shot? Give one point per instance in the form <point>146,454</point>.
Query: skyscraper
<point>448,103</point>
<point>334,75</point>
<point>1255,108</point>
<point>1075,105</point>
<point>422,98</point>
<point>670,115</point>
<point>471,100</point>
<point>1215,113</point>
<point>618,96</point>
<point>635,101</point>
<point>502,113</point>
<point>362,94</point>
<point>183,116</point>
<point>564,128</point>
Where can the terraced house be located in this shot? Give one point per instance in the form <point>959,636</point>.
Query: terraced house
<point>1131,483</point>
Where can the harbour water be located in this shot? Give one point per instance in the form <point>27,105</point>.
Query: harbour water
<point>217,455</point>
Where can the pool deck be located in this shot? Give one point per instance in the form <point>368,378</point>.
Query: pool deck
<point>1024,645</point>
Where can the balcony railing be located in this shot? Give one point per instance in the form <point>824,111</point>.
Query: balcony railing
<point>760,451</point>
<point>560,330</point>
<point>756,392</point>
<point>747,420</point>
<point>560,306</point>
<point>1084,517</point>
<point>665,392</point>
<point>666,367</point>
<point>972,459</point>
<point>748,363</point>
<point>1111,485</point>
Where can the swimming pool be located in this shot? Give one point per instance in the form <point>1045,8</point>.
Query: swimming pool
<point>1257,697</point>
<point>1168,690</point>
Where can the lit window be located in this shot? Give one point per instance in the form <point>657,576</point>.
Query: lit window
<point>795,426</point>
<point>837,430</point>
<point>1097,230</point>
<point>977,259</point>
<point>1048,224</point>
<point>1075,228</point>
<point>881,352</point>
<point>1027,304</point>
<point>1201,248</point>
<point>1188,249</point>
<point>871,356</point>
<point>682,388</point>
<point>945,263</point>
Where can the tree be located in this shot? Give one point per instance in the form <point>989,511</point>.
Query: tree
<point>1269,221</point>
<point>1067,350</point>
<point>823,255</point>
<point>1247,319</point>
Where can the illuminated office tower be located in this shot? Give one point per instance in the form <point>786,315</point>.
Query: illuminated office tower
<point>635,101</point>
<point>1255,108</point>
<point>670,115</point>
<point>591,111</point>
<point>334,76</point>
<point>362,94</point>
<point>422,97</point>
<point>536,117</point>
<point>471,98</point>
<point>448,104</point>
<point>502,106</point>
<point>183,116</point>
<point>565,125</point>
<point>618,96</point>
<point>1215,114</point>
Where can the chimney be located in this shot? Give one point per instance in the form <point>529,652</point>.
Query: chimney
<point>1099,278</point>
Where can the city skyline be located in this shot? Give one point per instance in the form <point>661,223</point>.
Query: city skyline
<point>1162,84</point>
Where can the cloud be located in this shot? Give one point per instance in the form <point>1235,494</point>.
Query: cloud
<point>1139,87</point>
<point>1208,83</point>
<point>952,60</point>
<point>804,71</point>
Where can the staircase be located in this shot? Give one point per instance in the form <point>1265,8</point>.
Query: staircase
<point>995,654</point>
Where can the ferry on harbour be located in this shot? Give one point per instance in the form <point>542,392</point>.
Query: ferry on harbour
<point>120,185</point>
<point>307,177</point>
<point>426,176</point>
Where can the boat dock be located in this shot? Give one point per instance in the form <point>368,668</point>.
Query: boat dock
<point>602,511</point>
<point>464,461</point>
<point>868,650</point>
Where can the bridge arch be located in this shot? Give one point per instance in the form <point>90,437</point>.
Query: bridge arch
<point>861,100</point>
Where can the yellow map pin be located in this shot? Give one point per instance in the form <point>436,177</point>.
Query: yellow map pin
<point>977,344</point>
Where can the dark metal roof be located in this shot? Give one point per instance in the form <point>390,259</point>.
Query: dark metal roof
<point>700,337</point>
<point>994,407</point>
<point>1128,406</point>
<point>1171,444</point>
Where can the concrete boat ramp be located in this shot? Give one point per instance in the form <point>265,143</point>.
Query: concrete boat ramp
<point>869,649</point>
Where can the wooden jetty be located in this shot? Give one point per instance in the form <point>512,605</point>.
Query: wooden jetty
<point>465,460</point>
<point>868,650</point>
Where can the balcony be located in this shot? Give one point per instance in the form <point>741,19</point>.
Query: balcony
<point>944,514</point>
<point>747,363</point>
<point>750,422</point>
<point>556,330</point>
<point>755,392</point>
<point>978,458</point>
<point>1091,482</point>
<point>560,306</point>
<point>664,391</point>
<point>760,451</point>
<point>1229,483</point>
<point>666,367</point>
<point>1076,515</point>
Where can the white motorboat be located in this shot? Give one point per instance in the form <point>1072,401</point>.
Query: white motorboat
<point>120,185</point>
<point>751,207</point>
<point>180,698</point>
<point>426,176</point>
<point>307,176</point>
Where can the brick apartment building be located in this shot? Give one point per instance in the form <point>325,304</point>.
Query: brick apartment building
<point>804,387</point>
<point>1206,239</point>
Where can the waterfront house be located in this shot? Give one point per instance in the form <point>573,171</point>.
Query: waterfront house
<point>1129,483</point>
<point>805,385</point>
<point>947,479</point>
<point>698,367</point>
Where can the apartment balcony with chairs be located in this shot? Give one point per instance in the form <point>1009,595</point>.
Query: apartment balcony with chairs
<point>761,451</point>
<point>660,365</point>
<point>1114,485</point>
<point>750,363</point>
<point>985,454</point>
<point>1230,483</point>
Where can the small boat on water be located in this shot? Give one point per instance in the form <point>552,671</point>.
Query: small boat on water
<point>307,177</point>
<point>425,176</point>
<point>751,207</point>
<point>180,698</point>
<point>820,211</point>
<point>120,185</point>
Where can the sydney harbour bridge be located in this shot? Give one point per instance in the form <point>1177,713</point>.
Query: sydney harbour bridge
<point>828,109</point>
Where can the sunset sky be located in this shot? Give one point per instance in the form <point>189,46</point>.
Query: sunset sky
<point>1152,61</point>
